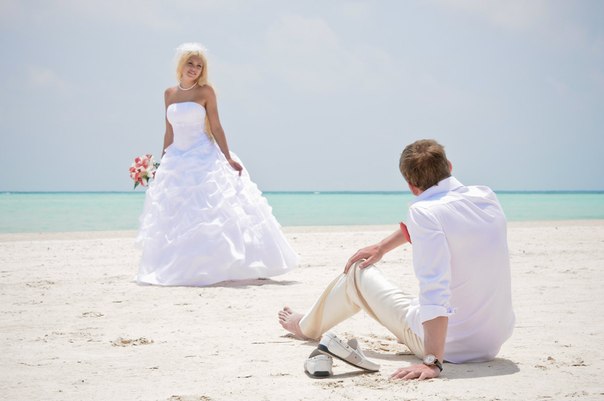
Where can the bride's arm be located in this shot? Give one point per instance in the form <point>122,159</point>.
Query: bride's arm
<point>169,134</point>
<point>217,131</point>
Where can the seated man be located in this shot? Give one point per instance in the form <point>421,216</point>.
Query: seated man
<point>460,258</point>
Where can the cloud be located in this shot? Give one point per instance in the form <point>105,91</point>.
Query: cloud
<point>310,57</point>
<point>138,12</point>
<point>356,9</point>
<point>158,15</point>
<point>307,54</point>
<point>149,14</point>
<point>44,78</point>
<point>243,81</point>
<point>515,15</point>
<point>559,24</point>
<point>597,78</point>
<point>11,10</point>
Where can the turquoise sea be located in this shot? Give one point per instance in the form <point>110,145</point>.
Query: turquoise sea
<point>99,211</point>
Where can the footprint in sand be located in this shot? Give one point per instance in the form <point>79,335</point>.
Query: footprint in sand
<point>92,314</point>
<point>42,284</point>
<point>127,342</point>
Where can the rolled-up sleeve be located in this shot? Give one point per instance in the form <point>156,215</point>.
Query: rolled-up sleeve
<point>432,264</point>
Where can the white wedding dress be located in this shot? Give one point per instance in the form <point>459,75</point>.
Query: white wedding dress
<point>202,223</point>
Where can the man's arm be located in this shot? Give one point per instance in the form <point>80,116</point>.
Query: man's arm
<point>435,333</point>
<point>432,266</point>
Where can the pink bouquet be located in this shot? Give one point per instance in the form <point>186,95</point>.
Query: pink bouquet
<point>143,170</point>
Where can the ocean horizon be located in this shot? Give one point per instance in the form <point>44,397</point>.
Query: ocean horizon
<point>22,212</point>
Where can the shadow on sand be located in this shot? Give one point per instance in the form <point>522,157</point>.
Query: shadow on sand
<point>258,282</point>
<point>496,367</point>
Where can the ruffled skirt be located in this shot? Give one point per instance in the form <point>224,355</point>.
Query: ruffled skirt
<point>203,224</point>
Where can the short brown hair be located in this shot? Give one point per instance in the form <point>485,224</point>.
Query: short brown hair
<point>424,163</point>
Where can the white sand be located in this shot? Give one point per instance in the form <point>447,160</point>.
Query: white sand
<point>75,327</point>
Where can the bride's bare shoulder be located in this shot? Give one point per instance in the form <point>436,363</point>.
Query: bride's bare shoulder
<point>207,90</point>
<point>170,91</point>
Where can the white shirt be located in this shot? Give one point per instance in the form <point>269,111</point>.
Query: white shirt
<point>460,257</point>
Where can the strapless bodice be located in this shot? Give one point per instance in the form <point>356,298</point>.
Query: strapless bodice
<point>188,122</point>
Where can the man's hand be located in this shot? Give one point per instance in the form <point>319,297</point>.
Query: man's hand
<point>372,254</point>
<point>420,372</point>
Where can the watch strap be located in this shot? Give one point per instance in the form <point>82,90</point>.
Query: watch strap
<point>436,363</point>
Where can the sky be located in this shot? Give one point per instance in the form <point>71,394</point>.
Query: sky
<point>313,95</point>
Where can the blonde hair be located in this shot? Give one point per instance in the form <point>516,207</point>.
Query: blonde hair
<point>183,53</point>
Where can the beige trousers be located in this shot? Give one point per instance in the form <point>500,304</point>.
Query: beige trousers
<point>369,290</point>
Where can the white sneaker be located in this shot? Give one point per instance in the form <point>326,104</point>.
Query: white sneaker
<point>348,352</point>
<point>318,364</point>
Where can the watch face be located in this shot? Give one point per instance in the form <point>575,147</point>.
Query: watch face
<point>429,359</point>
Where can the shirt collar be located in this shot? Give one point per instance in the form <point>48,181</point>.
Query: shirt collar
<point>445,185</point>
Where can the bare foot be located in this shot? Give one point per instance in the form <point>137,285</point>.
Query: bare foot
<point>290,321</point>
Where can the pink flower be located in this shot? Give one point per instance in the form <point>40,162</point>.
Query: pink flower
<point>143,170</point>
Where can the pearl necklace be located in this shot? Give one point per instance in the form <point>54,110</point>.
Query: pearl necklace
<point>187,89</point>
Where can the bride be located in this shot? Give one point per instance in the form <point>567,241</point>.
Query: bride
<point>204,221</point>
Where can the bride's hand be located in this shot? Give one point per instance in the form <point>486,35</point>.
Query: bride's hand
<point>236,166</point>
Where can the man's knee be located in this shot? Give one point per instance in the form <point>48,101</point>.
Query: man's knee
<point>356,267</point>
<point>361,276</point>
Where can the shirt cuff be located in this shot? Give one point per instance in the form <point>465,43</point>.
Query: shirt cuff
<point>429,312</point>
<point>405,231</point>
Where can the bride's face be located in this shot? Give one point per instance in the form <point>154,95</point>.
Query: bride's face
<point>192,68</point>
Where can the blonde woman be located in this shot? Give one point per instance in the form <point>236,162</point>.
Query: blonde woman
<point>204,220</point>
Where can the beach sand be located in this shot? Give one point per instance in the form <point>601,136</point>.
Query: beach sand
<point>74,326</point>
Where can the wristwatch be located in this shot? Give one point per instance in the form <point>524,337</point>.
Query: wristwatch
<point>430,360</point>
